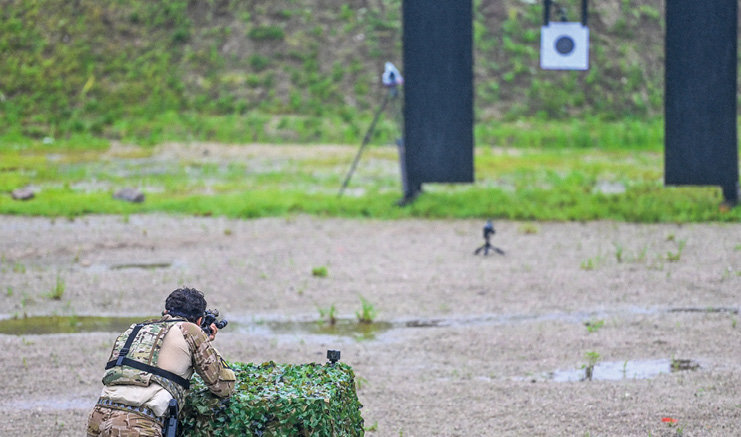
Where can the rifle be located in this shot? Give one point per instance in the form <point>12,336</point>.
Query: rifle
<point>172,421</point>
<point>209,317</point>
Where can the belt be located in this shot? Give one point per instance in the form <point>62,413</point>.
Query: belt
<point>144,411</point>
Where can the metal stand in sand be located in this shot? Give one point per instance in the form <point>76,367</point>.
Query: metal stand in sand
<point>391,80</point>
<point>488,232</point>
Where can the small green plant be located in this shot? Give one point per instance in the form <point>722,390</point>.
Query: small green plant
<point>266,33</point>
<point>328,315</point>
<point>592,358</point>
<point>618,252</point>
<point>19,268</point>
<point>259,62</point>
<point>367,313</point>
<point>319,272</point>
<point>594,326</point>
<point>9,292</point>
<point>528,228</point>
<point>675,256</point>
<point>642,254</point>
<point>58,291</point>
<point>588,264</point>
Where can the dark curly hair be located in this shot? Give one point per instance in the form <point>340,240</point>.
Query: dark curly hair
<point>186,302</point>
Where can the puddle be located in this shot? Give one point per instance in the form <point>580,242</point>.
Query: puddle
<point>632,369</point>
<point>141,265</point>
<point>343,327</point>
<point>705,310</point>
<point>80,324</point>
<point>65,324</point>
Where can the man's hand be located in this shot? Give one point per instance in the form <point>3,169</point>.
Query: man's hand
<point>214,330</point>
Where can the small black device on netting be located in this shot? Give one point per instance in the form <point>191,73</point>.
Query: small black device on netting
<point>333,356</point>
<point>211,317</point>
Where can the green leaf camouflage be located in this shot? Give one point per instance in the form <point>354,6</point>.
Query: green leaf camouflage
<point>277,400</point>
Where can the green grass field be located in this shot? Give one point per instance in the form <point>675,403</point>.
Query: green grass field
<point>525,170</point>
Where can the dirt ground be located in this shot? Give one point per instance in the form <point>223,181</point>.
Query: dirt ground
<point>473,345</point>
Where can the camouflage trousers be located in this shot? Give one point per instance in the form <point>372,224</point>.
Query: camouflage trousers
<point>111,422</point>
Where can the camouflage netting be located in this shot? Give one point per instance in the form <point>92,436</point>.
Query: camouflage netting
<point>277,400</point>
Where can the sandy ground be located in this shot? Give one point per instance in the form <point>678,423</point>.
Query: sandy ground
<point>473,345</point>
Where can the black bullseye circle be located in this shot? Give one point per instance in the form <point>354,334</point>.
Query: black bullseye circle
<point>565,45</point>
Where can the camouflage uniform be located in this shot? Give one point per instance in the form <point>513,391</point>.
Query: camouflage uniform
<point>126,407</point>
<point>108,421</point>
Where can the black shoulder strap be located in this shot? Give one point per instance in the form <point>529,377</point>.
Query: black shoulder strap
<point>150,369</point>
<point>125,349</point>
<point>122,360</point>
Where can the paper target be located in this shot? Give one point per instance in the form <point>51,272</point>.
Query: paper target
<point>564,46</point>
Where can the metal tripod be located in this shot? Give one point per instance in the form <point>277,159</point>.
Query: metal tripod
<point>488,232</point>
<point>392,94</point>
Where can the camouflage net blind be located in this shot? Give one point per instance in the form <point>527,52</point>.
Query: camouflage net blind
<point>277,400</point>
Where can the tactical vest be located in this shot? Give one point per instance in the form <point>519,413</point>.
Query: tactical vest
<point>133,360</point>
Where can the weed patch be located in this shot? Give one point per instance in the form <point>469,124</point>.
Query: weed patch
<point>367,312</point>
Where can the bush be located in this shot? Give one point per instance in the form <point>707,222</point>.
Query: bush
<point>277,400</point>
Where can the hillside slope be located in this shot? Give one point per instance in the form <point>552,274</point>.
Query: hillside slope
<point>294,69</point>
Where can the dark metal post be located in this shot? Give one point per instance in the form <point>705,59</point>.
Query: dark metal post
<point>438,92</point>
<point>701,144</point>
<point>584,12</point>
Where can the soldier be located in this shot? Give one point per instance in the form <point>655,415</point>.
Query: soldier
<point>151,363</point>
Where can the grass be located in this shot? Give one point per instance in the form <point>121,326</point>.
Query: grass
<point>676,256</point>
<point>594,325</point>
<point>74,78</point>
<point>57,292</point>
<point>328,315</point>
<point>163,75</point>
<point>592,358</point>
<point>561,182</point>
<point>367,312</point>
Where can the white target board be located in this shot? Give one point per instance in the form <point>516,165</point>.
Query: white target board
<point>564,46</point>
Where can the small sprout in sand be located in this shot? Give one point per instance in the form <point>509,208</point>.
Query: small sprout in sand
<point>328,315</point>
<point>58,291</point>
<point>675,256</point>
<point>588,264</point>
<point>367,312</point>
<point>618,252</point>
<point>592,358</point>
<point>528,228</point>
<point>594,325</point>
